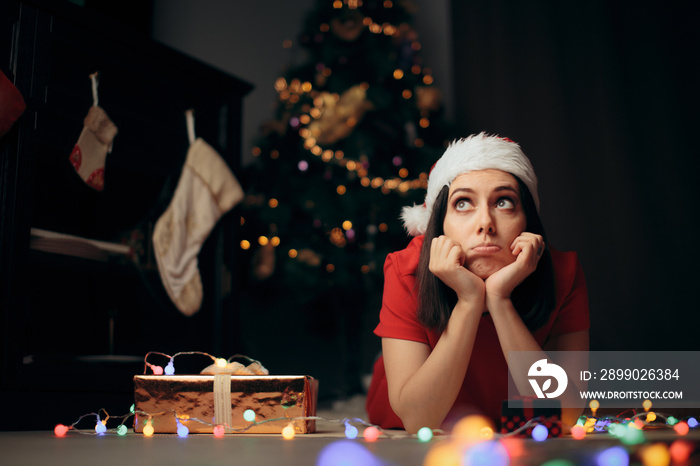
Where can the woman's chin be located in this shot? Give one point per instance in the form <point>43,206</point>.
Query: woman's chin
<point>484,268</point>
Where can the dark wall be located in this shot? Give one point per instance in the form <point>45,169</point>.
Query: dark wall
<point>600,96</point>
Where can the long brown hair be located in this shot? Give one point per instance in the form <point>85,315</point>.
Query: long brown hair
<point>533,298</point>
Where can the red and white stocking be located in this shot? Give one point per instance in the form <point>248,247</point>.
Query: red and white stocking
<point>207,189</point>
<point>95,142</point>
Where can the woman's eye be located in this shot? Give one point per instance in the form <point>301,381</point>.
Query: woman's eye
<point>505,203</point>
<point>462,204</point>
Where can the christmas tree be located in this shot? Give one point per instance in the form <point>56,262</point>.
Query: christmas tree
<point>357,128</point>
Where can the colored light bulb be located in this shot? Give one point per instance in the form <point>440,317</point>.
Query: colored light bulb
<point>681,428</point>
<point>221,362</point>
<point>219,431</point>
<point>633,436</point>
<point>346,452</point>
<point>692,422</point>
<point>540,433</point>
<point>655,455</point>
<point>680,451</point>
<point>157,370</point>
<point>249,415</point>
<point>615,456</point>
<point>425,434</point>
<point>148,429</point>
<point>288,432</point>
<point>60,430</point>
<point>371,434</point>
<point>350,431</point>
<point>121,430</point>
<point>170,368</point>
<point>578,432</point>
<point>594,405</point>
<point>486,453</point>
<point>486,433</point>
<point>618,430</point>
<point>470,429</point>
<point>100,428</point>
<point>182,431</point>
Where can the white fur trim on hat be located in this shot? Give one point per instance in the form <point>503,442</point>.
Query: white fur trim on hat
<point>476,152</point>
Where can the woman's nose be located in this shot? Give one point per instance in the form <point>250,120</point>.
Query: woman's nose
<point>485,222</point>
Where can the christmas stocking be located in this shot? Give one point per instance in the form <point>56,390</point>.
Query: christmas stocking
<point>206,190</point>
<point>95,142</point>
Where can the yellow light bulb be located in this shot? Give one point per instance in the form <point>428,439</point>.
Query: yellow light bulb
<point>288,432</point>
<point>148,429</point>
<point>594,405</point>
<point>655,455</point>
<point>221,362</point>
<point>646,405</point>
<point>486,433</point>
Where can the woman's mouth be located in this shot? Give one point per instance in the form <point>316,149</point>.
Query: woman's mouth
<point>486,249</point>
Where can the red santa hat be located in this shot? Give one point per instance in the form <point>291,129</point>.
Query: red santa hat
<point>476,152</point>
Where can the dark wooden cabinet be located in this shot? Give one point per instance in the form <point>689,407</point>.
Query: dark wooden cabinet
<point>60,313</point>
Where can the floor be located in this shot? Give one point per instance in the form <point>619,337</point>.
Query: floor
<point>36,448</point>
<point>326,447</point>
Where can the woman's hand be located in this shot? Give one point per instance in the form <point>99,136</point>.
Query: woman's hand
<point>528,247</point>
<point>447,263</point>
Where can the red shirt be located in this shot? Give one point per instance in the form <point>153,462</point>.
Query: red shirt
<point>486,381</point>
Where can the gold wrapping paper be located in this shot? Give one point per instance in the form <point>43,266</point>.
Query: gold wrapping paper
<point>191,398</point>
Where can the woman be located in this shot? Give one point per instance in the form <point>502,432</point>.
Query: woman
<point>477,281</point>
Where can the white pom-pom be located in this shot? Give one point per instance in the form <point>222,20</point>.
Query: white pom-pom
<point>415,219</point>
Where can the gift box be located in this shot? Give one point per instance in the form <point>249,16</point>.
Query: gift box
<point>518,412</point>
<point>201,402</point>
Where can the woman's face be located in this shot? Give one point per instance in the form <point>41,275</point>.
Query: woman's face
<point>484,216</point>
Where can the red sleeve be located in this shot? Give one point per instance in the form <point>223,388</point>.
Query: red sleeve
<point>572,295</point>
<point>397,318</point>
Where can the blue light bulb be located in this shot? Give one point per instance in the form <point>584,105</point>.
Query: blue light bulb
<point>615,456</point>
<point>100,428</point>
<point>488,453</point>
<point>350,431</point>
<point>540,433</point>
<point>170,368</point>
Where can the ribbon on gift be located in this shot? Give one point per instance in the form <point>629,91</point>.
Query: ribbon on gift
<point>222,399</point>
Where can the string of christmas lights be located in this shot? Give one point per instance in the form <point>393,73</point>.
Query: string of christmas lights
<point>616,426</point>
<point>473,436</point>
<point>306,124</point>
